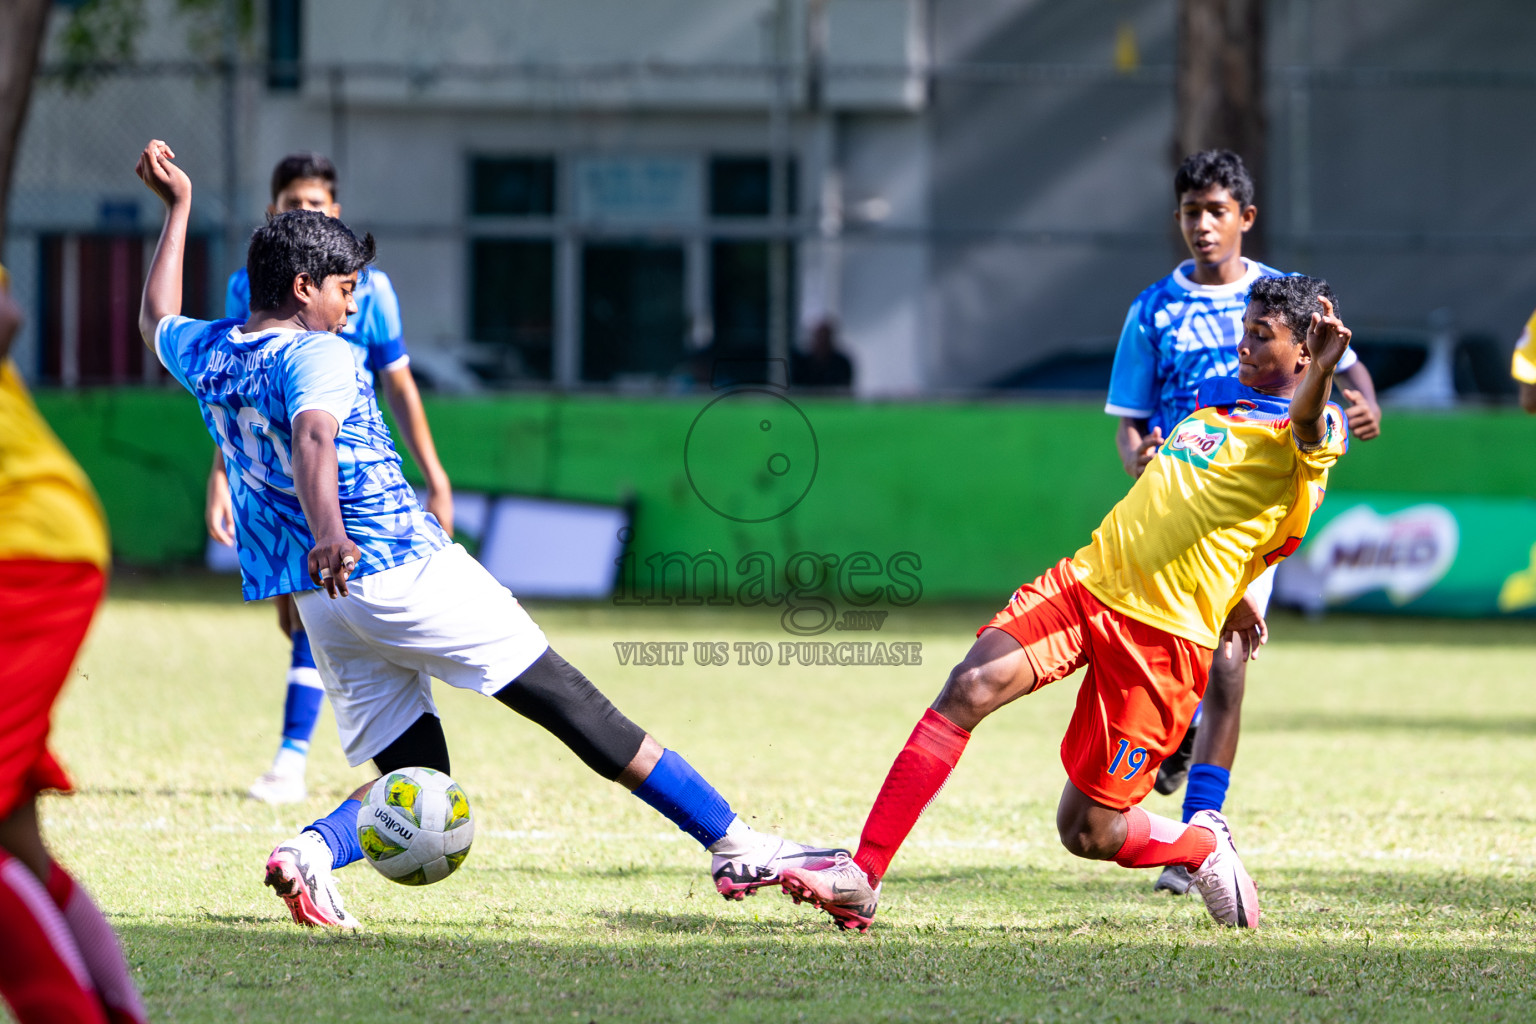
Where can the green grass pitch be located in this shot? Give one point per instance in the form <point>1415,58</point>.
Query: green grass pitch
<point>1383,801</point>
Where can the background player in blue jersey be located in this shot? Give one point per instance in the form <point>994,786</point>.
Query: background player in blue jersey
<point>307,181</point>
<point>388,600</point>
<point>1179,332</point>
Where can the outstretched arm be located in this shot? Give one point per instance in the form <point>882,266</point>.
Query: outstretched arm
<point>405,402</point>
<point>334,556</point>
<point>1327,339</point>
<point>162,285</point>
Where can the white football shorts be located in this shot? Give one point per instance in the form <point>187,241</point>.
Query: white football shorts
<point>379,648</point>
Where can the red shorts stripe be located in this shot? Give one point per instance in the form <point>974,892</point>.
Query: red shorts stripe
<point>45,609</point>
<point>1137,697</point>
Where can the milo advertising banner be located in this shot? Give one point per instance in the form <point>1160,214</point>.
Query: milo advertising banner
<point>1416,554</point>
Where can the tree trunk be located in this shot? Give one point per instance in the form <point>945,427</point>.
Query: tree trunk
<point>1221,86</point>
<point>21,40</point>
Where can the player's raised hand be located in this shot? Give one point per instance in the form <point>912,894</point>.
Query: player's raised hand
<point>1245,630</point>
<point>1146,451</point>
<point>331,562</point>
<point>1327,337</point>
<point>1364,418</point>
<point>163,177</point>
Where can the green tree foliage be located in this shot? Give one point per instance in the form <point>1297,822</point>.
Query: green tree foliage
<point>102,34</point>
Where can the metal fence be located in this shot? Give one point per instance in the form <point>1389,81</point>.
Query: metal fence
<point>1021,204</point>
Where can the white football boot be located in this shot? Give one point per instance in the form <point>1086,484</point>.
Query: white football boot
<point>300,872</point>
<point>841,888</point>
<point>283,783</point>
<point>277,788</point>
<point>1229,892</point>
<point>742,863</point>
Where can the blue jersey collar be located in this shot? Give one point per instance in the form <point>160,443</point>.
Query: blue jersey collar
<point>1237,399</point>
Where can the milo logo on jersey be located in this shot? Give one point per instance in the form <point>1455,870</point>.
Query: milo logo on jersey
<point>1195,442</point>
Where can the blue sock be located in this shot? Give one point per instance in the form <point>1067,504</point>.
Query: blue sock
<point>692,804</point>
<point>1206,789</point>
<point>339,830</point>
<point>305,695</point>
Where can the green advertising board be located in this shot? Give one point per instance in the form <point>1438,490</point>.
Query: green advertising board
<point>1416,554</point>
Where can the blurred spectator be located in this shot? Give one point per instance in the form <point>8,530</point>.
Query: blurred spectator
<point>823,366</point>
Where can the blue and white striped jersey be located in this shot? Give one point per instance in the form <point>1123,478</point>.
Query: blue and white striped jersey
<point>249,388</point>
<point>1177,334</point>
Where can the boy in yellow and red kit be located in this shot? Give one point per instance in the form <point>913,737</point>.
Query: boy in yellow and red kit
<point>1143,606</point>
<point>59,961</point>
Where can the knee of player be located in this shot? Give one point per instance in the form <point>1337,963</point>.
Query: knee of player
<point>1076,838</point>
<point>554,694</point>
<point>1081,839</point>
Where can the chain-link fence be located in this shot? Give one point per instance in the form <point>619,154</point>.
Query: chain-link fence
<point>969,223</point>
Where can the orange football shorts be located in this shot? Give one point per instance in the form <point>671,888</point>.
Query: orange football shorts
<point>1137,697</point>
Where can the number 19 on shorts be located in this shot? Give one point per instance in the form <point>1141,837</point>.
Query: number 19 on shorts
<point>1127,757</point>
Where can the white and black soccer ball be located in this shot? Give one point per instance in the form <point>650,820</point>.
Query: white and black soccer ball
<point>415,826</point>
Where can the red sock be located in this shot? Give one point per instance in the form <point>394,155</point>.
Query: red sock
<point>1152,841</point>
<point>915,778</point>
<point>98,948</point>
<point>42,975</point>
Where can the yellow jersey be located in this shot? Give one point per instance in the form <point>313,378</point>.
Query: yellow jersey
<point>1524,366</point>
<point>48,509</point>
<point>1229,494</point>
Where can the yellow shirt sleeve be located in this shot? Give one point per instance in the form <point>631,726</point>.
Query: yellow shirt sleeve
<point>1335,442</point>
<point>1524,367</point>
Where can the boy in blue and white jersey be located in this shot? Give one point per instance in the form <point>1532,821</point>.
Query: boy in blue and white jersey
<point>376,334</point>
<point>245,383</point>
<point>1181,331</point>
<point>388,601</point>
<point>307,181</point>
<point>1178,333</point>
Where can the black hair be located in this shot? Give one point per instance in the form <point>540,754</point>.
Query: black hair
<point>1293,299</point>
<point>295,166</point>
<point>301,242</point>
<point>1210,167</point>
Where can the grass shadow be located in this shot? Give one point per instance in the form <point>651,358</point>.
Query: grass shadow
<point>693,967</point>
<point>716,926</point>
<point>1094,881</point>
